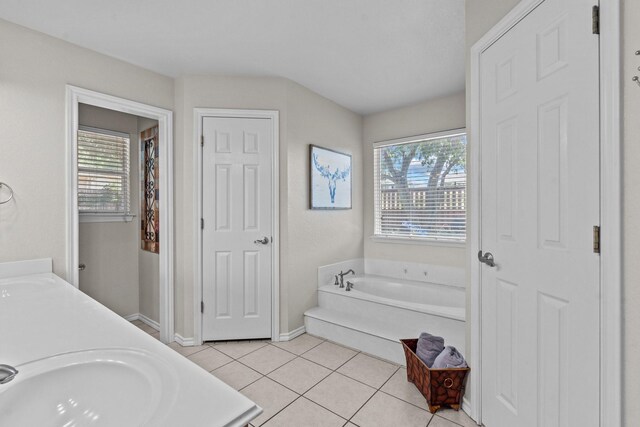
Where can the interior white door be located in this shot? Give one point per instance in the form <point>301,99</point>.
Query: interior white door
<point>237,234</point>
<point>540,202</point>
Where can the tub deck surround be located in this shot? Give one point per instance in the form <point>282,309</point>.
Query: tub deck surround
<point>382,309</point>
<point>42,316</point>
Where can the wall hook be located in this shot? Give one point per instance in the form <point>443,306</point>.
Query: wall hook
<point>2,202</point>
<point>636,79</point>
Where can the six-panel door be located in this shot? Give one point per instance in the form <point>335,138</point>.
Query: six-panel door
<point>237,212</point>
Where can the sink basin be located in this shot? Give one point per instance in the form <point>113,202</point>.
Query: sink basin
<point>102,387</point>
<point>26,288</point>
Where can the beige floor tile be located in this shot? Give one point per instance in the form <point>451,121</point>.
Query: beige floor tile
<point>329,355</point>
<point>299,374</point>
<point>187,350</point>
<point>236,375</point>
<point>266,359</point>
<point>156,335</point>
<point>237,349</point>
<point>270,396</point>
<point>340,394</point>
<point>458,417</point>
<point>399,387</point>
<point>300,344</point>
<point>383,410</point>
<point>369,370</point>
<point>210,359</point>
<point>137,322</point>
<point>305,413</point>
<point>437,421</point>
<point>148,329</point>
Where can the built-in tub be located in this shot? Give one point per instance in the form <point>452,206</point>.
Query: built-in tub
<point>378,311</point>
<point>428,298</point>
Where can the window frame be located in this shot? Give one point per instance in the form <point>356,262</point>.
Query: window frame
<point>414,240</point>
<point>89,217</point>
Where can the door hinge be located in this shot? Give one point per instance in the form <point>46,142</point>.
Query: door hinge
<point>201,140</point>
<point>201,306</point>
<point>201,223</point>
<point>596,239</point>
<point>595,19</point>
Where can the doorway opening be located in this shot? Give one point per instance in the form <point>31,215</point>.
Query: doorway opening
<point>88,114</point>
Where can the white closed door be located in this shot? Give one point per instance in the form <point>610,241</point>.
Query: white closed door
<point>540,201</point>
<point>237,234</point>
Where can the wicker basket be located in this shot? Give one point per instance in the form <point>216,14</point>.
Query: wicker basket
<point>439,386</point>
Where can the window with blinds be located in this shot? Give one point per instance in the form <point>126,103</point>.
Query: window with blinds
<point>420,187</point>
<point>103,172</point>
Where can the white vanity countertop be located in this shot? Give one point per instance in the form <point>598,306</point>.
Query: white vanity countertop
<point>41,315</point>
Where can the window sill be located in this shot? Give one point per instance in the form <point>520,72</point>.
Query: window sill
<point>105,218</point>
<point>417,241</point>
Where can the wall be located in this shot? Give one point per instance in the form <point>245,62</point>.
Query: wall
<point>35,69</point>
<point>148,262</point>
<point>631,210</point>
<point>213,92</point>
<point>109,249</point>
<point>427,117</point>
<point>317,237</point>
<point>480,17</point>
<point>305,118</point>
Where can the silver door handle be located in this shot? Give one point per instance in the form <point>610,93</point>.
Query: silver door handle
<point>263,241</point>
<point>487,258</point>
<point>81,267</point>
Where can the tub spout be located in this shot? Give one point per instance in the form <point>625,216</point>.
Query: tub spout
<point>344,274</point>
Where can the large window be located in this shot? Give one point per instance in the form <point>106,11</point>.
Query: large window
<point>103,173</point>
<point>420,187</point>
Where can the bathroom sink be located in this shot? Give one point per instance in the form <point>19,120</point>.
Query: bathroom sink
<point>27,288</point>
<point>102,387</point>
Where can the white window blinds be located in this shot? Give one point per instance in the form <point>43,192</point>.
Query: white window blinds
<point>420,187</point>
<point>103,172</point>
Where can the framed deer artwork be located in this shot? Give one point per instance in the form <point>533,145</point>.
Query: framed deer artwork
<point>330,182</point>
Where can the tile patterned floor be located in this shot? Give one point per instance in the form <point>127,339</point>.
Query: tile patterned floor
<point>312,382</point>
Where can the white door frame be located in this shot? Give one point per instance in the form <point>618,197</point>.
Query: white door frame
<point>75,96</point>
<point>199,114</point>
<point>610,208</point>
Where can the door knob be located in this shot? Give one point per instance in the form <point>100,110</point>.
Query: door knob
<point>263,241</point>
<point>487,258</point>
<point>81,267</point>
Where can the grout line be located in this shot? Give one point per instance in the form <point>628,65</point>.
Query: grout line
<point>252,382</point>
<point>297,353</point>
<point>286,406</point>
<point>376,392</point>
<point>239,357</point>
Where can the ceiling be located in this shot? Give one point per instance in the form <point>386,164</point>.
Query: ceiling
<point>367,55</point>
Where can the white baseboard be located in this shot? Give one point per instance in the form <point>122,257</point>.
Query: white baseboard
<point>132,317</point>
<point>185,342</point>
<point>144,319</point>
<point>292,334</point>
<point>466,406</point>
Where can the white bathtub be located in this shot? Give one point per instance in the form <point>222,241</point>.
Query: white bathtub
<point>429,298</point>
<point>379,311</point>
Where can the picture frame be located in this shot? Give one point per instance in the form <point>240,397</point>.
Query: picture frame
<point>330,181</point>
